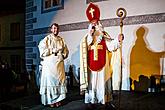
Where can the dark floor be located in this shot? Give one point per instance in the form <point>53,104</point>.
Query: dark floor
<point>128,101</point>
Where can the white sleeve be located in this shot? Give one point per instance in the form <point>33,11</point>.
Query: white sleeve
<point>112,44</point>
<point>89,37</point>
<point>43,48</point>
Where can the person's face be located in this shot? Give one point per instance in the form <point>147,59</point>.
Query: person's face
<point>54,30</point>
<point>93,30</point>
<point>94,22</point>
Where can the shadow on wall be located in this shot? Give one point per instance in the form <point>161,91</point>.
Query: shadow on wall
<point>143,84</point>
<point>155,83</point>
<point>144,62</point>
<point>71,77</point>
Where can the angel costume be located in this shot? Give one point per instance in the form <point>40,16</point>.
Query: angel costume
<point>97,59</point>
<point>53,51</point>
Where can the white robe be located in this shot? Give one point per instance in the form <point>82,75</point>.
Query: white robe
<point>99,88</point>
<point>53,85</point>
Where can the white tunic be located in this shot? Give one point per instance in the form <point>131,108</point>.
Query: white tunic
<point>53,51</point>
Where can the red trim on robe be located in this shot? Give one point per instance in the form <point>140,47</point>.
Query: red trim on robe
<point>96,65</point>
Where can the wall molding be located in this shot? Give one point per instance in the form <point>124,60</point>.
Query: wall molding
<point>130,20</point>
<point>88,1</point>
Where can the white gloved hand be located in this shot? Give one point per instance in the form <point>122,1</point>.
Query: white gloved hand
<point>60,58</point>
<point>99,38</point>
<point>54,50</point>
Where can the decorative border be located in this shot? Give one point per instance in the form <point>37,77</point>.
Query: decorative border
<point>52,9</point>
<point>88,1</point>
<point>131,20</point>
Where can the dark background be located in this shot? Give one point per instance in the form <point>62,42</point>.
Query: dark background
<point>11,6</point>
